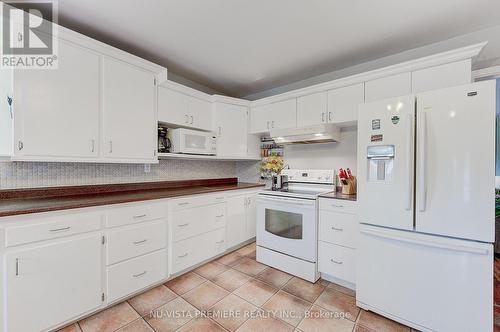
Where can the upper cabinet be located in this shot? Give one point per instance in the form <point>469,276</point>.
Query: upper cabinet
<point>230,126</point>
<point>438,77</point>
<point>57,111</point>
<point>129,112</point>
<point>183,110</point>
<point>312,109</point>
<point>388,87</point>
<point>98,105</point>
<point>278,115</point>
<point>343,103</point>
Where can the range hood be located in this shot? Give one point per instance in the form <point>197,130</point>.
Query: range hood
<point>323,133</point>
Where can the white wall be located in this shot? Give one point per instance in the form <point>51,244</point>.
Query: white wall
<point>325,156</point>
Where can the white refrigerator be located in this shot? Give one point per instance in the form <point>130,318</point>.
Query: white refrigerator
<point>426,180</point>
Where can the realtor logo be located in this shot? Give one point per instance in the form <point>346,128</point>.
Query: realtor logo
<point>28,35</point>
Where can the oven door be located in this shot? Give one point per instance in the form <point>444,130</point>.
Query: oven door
<point>287,225</point>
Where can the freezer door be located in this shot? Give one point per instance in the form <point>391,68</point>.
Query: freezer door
<point>428,282</point>
<point>455,173</point>
<point>385,162</point>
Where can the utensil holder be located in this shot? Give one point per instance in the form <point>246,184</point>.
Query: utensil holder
<point>350,187</point>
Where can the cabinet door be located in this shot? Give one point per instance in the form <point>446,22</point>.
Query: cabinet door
<point>343,103</point>
<point>439,77</point>
<point>260,117</point>
<point>173,107</point>
<point>312,109</point>
<point>388,87</point>
<point>200,114</point>
<point>53,283</point>
<point>251,212</point>
<point>57,111</point>
<point>284,114</point>
<point>236,220</point>
<point>129,112</point>
<point>231,129</point>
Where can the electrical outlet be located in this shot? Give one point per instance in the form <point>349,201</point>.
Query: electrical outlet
<point>147,168</point>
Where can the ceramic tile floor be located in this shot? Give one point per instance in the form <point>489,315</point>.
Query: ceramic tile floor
<point>236,293</point>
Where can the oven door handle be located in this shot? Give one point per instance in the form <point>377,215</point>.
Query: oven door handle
<point>301,202</point>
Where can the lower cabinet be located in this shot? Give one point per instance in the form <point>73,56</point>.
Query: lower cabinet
<point>60,266</point>
<point>338,240</point>
<point>189,252</point>
<point>48,284</point>
<point>135,274</point>
<point>241,219</point>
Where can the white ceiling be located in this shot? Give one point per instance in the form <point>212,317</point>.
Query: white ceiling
<point>240,47</point>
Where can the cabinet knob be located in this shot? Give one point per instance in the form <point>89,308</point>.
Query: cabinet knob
<point>330,116</point>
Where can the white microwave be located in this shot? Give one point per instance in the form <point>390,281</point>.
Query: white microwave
<point>192,141</point>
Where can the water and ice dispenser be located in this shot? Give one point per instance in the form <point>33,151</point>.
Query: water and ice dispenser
<point>380,160</point>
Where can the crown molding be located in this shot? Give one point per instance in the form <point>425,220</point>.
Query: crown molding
<point>467,52</point>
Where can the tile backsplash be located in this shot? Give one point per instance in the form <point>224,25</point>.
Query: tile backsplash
<point>41,174</point>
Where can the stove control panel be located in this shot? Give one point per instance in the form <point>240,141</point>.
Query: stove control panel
<point>310,176</point>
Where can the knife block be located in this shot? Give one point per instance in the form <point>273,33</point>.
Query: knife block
<point>350,187</point>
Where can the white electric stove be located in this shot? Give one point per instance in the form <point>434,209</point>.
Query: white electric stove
<point>287,222</point>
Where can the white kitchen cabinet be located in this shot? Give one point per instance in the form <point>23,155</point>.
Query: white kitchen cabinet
<point>183,110</point>
<point>236,229</point>
<point>312,109</point>
<point>251,214</point>
<point>172,107</point>
<point>388,87</point>
<point>241,218</point>
<point>438,77</point>
<point>343,103</point>
<point>53,282</point>
<point>135,274</point>
<point>6,119</point>
<point>338,239</point>
<point>200,113</point>
<point>129,112</point>
<point>230,126</point>
<point>278,115</point>
<point>57,111</point>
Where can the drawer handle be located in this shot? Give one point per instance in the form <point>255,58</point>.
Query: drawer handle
<point>219,216</point>
<point>336,262</point>
<point>185,203</point>
<point>63,229</point>
<point>139,275</point>
<point>337,229</point>
<point>219,242</point>
<point>181,256</point>
<point>183,225</point>
<point>139,216</point>
<point>140,242</point>
<point>219,197</point>
<point>337,206</point>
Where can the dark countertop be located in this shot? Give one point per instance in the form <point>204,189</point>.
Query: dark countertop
<point>25,201</point>
<point>339,195</point>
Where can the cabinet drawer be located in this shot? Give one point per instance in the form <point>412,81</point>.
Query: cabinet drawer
<point>137,273</point>
<point>194,250</point>
<point>339,228</point>
<point>338,205</point>
<point>136,240</point>
<point>135,213</point>
<point>337,261</point>
<point>195,201</point>
<point>48,227</point>
<point>191,222</point>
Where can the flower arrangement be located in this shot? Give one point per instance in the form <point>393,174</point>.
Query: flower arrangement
<point>272,165</point>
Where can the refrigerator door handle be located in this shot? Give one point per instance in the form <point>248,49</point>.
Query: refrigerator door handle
<point>409,159</point>
<point>431,244</point>
<point>422,163</point>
